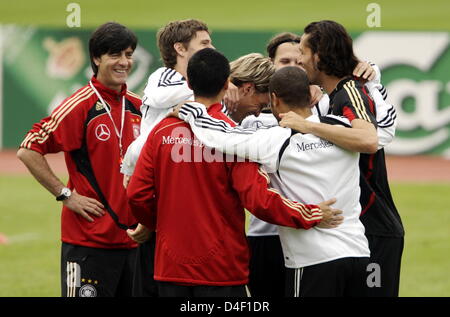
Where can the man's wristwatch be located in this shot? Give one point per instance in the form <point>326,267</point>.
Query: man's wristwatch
<point>65,193</point>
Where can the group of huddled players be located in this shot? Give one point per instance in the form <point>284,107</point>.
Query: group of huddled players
<point>158,187</point>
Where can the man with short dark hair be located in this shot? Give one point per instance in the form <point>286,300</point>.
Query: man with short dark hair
<point>201,248</point>
<point>93,128</point>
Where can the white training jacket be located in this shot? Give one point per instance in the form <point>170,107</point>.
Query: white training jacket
<point>165,89</point>
<point>303,168</point>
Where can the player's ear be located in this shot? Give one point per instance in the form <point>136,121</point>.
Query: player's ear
<point>274,101</point>
<point>96,61</point>
<point>316,60</point>
<point>179,48</point>
<point>248,89</point>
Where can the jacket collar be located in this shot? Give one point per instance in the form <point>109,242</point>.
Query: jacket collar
<point>108,93</point>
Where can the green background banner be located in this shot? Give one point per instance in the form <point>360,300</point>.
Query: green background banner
<point>42,66</point>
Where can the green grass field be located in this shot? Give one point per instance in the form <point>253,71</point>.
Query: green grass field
<point>29,264</point>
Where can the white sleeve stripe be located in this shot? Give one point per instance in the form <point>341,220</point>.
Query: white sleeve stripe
<point>171,71</point>
<point>166,78</point>
<point>196,112</point>
<point>215,124</point>
<point>391,115</point>
<point>163,76</point>
<point>172,84</point>
<point>383,92</point>
<point>388,123</point>
<point>171,75</point>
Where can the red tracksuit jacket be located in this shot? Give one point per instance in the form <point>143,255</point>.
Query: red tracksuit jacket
<point>81,123</point>
<point>197,206</point>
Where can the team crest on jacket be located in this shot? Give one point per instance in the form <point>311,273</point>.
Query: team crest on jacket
<point>136,130</point>
<point>102,132</point>
<point>88,290</point>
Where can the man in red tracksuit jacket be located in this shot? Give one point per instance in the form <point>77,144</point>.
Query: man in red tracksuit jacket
<point>93,127</point>
<point>195,198</point>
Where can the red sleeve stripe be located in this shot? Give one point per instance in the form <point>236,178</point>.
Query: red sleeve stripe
<point>56,117</point>
<point>357,101</point>
<point>307,214</point>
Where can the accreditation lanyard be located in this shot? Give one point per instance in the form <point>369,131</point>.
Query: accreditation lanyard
<point>119,134</point>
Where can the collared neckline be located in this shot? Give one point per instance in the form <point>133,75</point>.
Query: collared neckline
<point>108,92</point>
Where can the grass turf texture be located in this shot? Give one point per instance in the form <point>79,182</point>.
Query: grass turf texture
<point>283,15</point>
<point>30,217</point>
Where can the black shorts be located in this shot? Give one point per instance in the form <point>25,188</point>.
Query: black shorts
<point>144,284</point>
<point>267,270</point>
<point>92,272</point>
<point>166,289</point>
<point>338,278</point>
<point>385,256</point>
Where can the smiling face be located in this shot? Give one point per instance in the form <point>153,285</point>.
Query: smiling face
<point>251,102</point>
<point>113,68</point>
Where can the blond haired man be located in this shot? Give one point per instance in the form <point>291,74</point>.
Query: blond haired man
<point>251,73</point>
